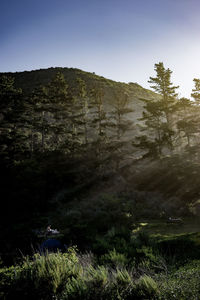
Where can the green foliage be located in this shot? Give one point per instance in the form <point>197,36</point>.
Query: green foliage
<point>196,91</point>
<point>176,178</point>
<point>43,276</point>
<point>7,278</point>
<point>12,138</point>
<point>90,222</point>
<point>79,276</point>
<point>162,82</point>
<point>61,276</point>
<point>147,286</point>
<point>114,259</point>
<point>57,146</point>
<point>158,115</point>
<point>179,250</point>
<point>183,283</point>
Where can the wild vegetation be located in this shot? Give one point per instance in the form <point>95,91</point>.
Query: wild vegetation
<point>107,164</point>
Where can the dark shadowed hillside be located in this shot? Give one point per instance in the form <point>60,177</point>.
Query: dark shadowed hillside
<point>28,80</point>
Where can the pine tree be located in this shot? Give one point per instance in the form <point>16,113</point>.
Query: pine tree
<point>12,135</point>
<point>62,108</point>
<point>196,96</point>
<point>158,115</point>
<point>83,107</point>
<point>186,123</point>
<point>37,113</point>
<point>119,114</point>
<point>196,91</point>
<point>162,85</point>
<point>99,122</point>
<point>158,133</point>
<point>120,124</point>
<point>195,118</point>
<point>98,111</point>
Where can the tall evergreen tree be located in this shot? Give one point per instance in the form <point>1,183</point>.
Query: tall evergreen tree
<point>158,114</point>
<point>119,113</point>
<point>12,135</point>
<point>186,123</point>
<point>63,123</point>
<point>162,85</point>
<point>196,91</point>
<point>98,111</point>
<point>100,123</point>
<point>195,117</point>
<point>83,107</point>
<point>158,135</point>
<point>37,112</point>
<point>120,124</point>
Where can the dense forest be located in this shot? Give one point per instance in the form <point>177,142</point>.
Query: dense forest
<point>110,165</point>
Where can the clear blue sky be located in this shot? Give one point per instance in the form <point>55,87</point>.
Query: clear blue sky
<point>118,39</point>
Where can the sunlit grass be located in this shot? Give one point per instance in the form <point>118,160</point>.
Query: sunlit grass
<point>139,227</point>
<point>163,230</point>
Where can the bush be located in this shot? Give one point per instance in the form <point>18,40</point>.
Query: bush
<point>88,219</point>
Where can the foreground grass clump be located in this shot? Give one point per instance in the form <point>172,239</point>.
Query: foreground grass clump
<point>39,277</point>
<point>71,276</point>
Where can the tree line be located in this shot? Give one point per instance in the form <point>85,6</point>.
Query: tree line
<point>59,118</point>
<point>76,122</point>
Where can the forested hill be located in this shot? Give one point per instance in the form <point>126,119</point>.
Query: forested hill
<point>86,154</point>
<point>64,122</point>
<point>29,80</point>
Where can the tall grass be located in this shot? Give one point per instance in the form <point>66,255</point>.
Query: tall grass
<point>66,277</point>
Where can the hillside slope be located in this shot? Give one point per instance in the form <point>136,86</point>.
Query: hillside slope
<point>29,80</point>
